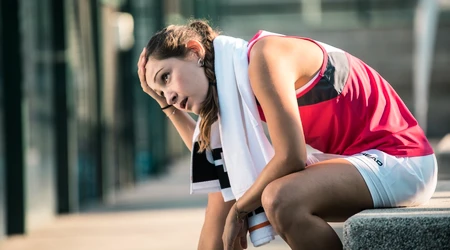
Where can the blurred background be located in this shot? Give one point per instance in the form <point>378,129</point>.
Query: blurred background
<point>76,128</point>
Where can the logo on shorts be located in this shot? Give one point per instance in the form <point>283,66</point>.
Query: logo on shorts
<point>373,157</point>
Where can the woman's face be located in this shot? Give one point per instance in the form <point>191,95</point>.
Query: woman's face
<point>181,81</point>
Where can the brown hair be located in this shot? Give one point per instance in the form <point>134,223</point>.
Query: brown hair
<point>171,42</point>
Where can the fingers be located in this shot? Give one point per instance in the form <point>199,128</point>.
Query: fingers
<point>243,235</point>
<point>141,71</point>
<point>141,57</point>
<point>243,241</point>
<point>144,85</point>
<point>228,246</point>
<point>228,243</point>
<point>141,63</point>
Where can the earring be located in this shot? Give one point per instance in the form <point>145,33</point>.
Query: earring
<point>200,62</point>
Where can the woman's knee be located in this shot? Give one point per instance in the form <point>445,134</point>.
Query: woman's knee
<point>272,198</point>
<point>280,208</point>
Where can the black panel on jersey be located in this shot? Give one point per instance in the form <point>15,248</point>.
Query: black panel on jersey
<point>332,82</point>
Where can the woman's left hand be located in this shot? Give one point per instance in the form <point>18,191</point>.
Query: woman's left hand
<point>235,230</point>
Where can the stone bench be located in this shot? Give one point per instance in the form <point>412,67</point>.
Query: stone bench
<point>423,227</point>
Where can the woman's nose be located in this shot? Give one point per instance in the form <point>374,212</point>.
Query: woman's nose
<point>172,98</point>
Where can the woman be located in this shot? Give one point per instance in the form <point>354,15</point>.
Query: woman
<point>374,152</point>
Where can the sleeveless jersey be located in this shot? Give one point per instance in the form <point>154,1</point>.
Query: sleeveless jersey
<point>348,108</point>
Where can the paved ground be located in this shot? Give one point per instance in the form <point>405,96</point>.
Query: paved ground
<point>158,215</point>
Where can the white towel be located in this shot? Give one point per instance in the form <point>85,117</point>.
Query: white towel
<point>208,171</point>
<point>209,174</point>
<point>245,150</point>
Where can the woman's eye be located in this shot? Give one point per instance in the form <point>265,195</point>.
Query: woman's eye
<point>165,77</point>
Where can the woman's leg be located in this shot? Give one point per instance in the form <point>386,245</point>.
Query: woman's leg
<point>216,213</point>
<point>300,204</point>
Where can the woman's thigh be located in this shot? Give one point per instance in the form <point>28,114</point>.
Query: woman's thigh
<point>333,190</point>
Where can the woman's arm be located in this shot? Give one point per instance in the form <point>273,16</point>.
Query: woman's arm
<point>215,215</point>
<point>182,121</point>
<point>184,124</point>
<point>277,67</point>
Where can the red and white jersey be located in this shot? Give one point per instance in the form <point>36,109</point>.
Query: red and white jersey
<point>348,108</point>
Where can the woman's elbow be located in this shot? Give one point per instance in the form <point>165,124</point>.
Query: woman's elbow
<point>294,162</point>
<point>298,164</point>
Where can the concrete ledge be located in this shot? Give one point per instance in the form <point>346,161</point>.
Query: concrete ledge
<point>424,227</point>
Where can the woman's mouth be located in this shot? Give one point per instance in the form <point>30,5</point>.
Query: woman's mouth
<point>183,104</point>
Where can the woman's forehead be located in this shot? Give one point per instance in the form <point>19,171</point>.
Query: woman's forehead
<point>152,63</point>
<point>152,66</point>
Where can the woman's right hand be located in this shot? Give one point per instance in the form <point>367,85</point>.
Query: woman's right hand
<point>141,72</point>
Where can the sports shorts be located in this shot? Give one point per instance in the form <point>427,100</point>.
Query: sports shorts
<point>392,181</point>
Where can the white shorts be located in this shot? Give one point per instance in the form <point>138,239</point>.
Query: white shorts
<point>392,181</point>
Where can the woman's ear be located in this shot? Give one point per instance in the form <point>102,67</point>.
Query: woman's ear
<point>196,47</point>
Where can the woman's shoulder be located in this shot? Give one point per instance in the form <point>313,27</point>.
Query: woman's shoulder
<point>261,35</point>
<point>266,43</point>
<point>282,53</point>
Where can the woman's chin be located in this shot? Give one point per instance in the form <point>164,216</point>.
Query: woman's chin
<point>195,110</point>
